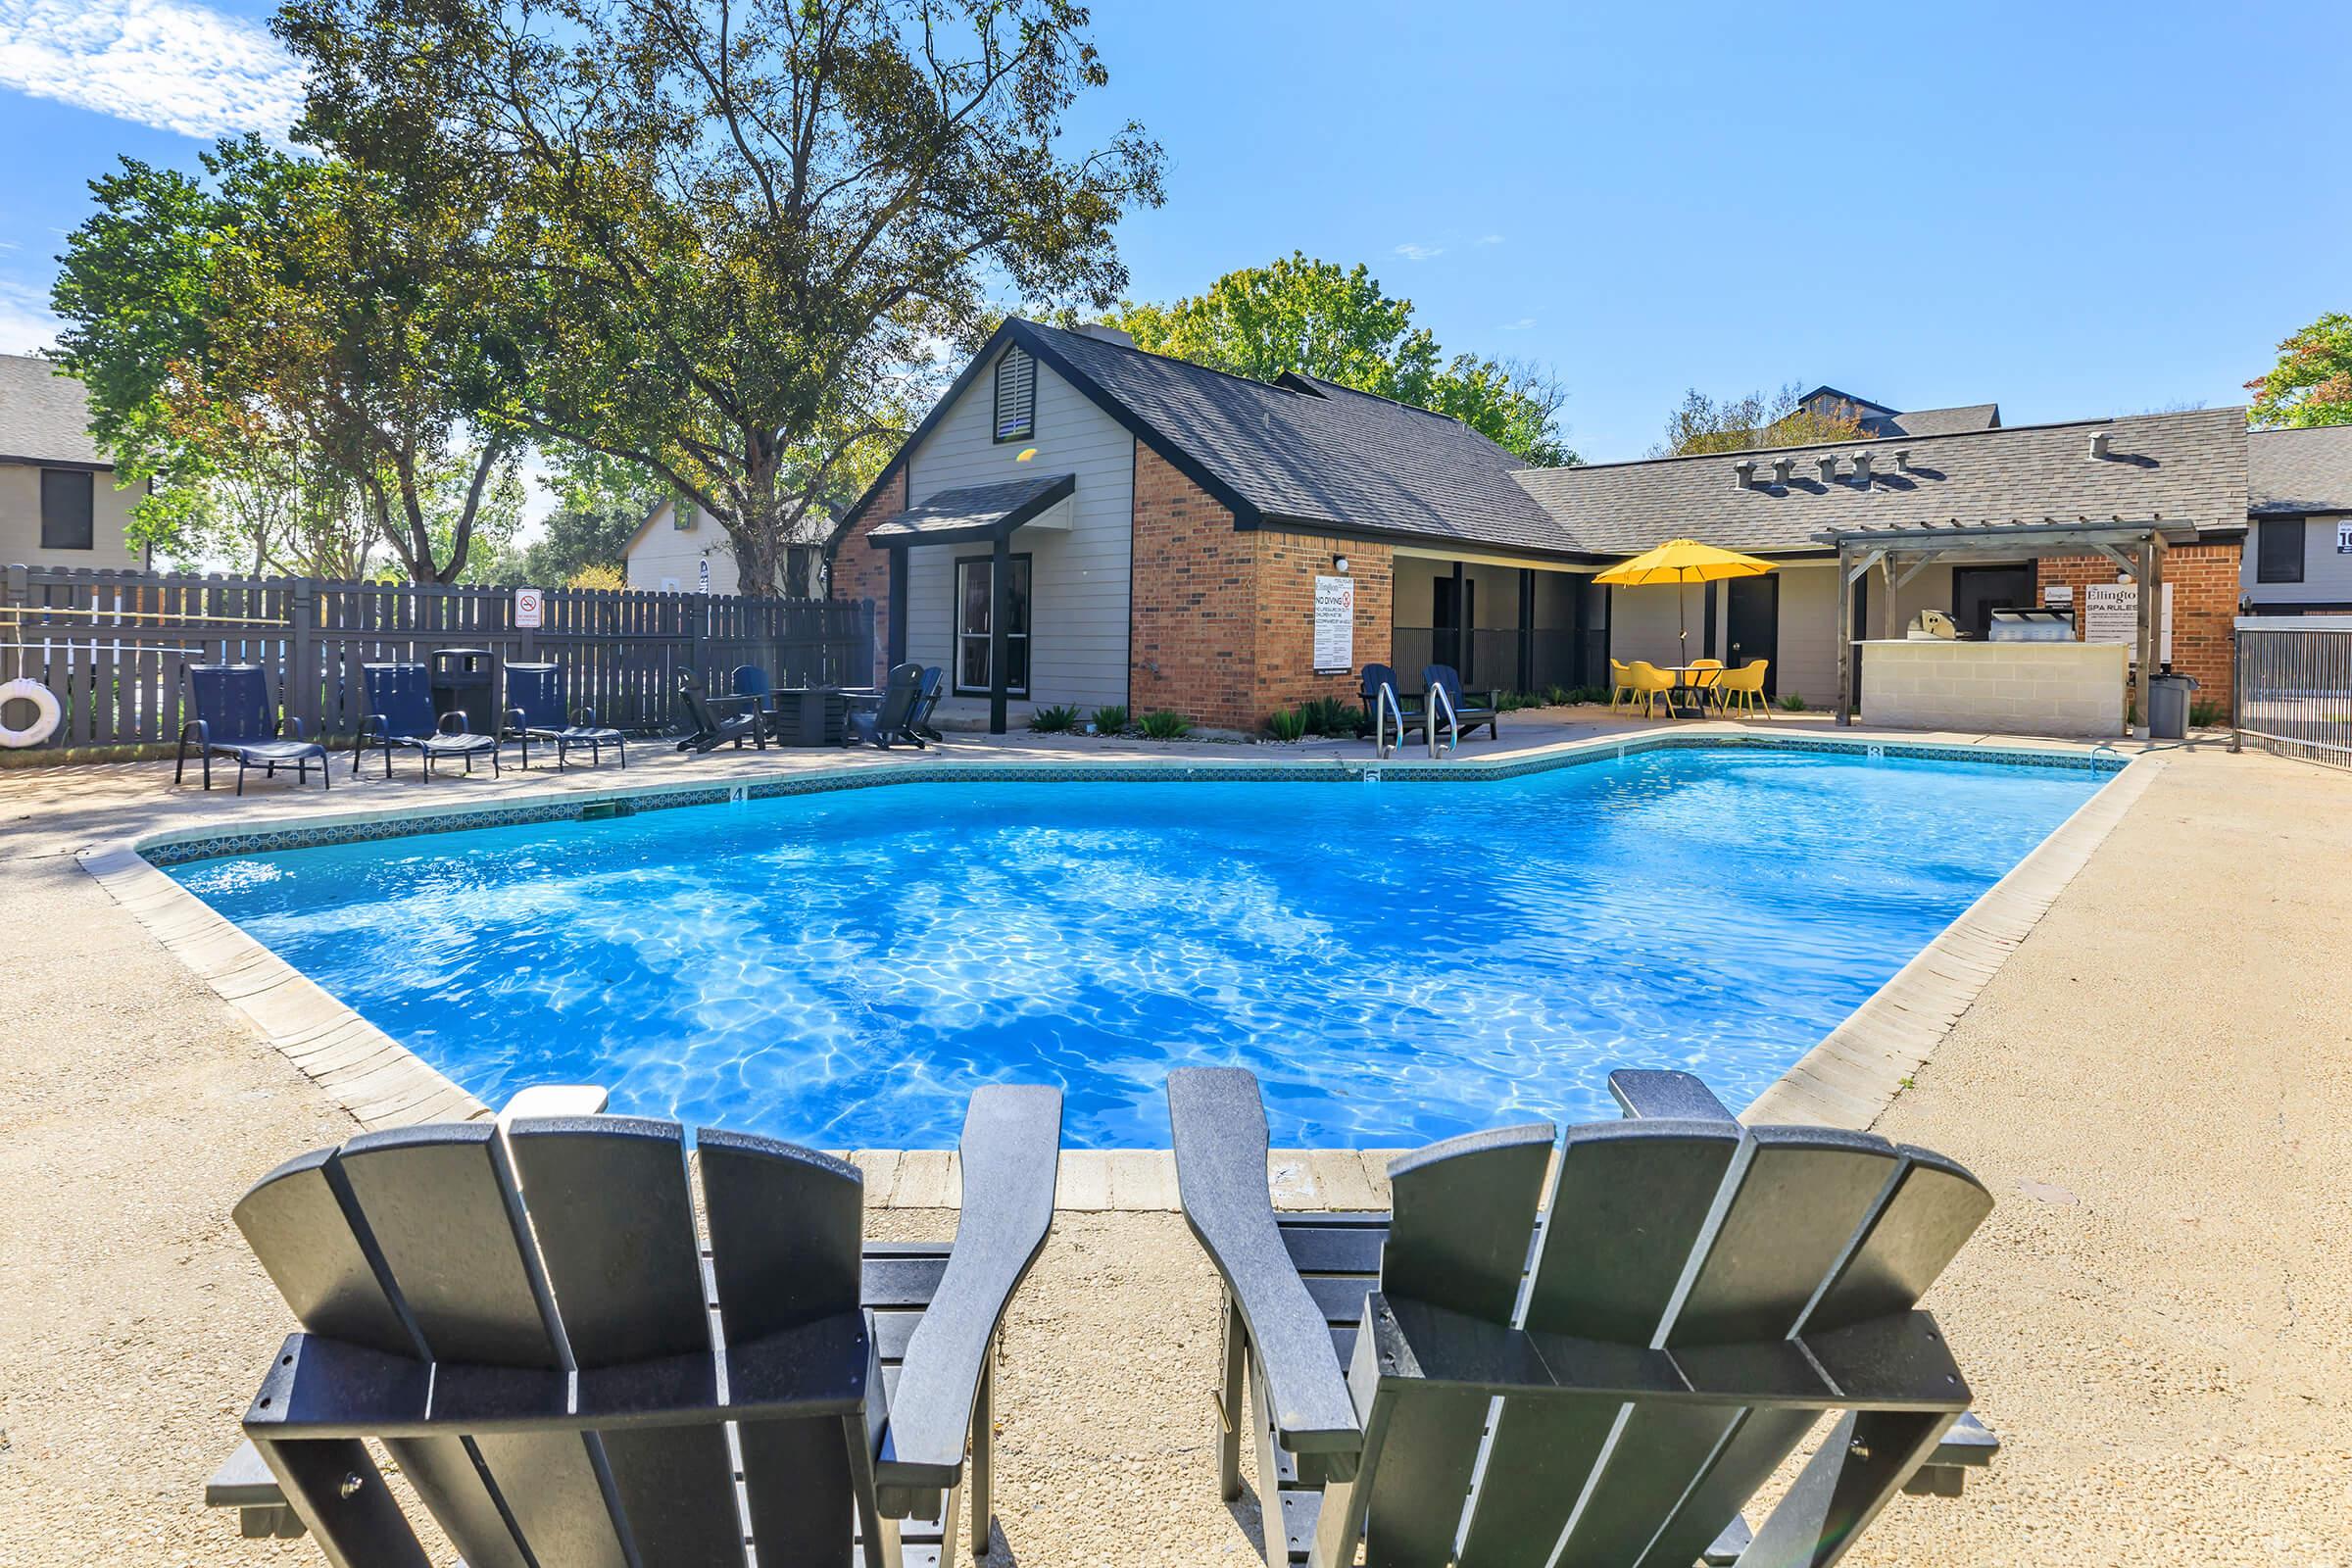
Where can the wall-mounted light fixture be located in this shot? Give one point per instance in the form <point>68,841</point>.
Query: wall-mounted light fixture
<point>1339,564</point>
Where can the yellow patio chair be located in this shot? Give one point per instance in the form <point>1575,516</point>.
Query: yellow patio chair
<point>1620,685</point>
<point>1703,673</point>
<point>1646,684</point>
<point>1745,686</point>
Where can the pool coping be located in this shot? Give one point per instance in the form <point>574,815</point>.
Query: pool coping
<point>1844,1081</point>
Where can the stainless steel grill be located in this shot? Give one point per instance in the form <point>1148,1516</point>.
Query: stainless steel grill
<point>2032,626</point>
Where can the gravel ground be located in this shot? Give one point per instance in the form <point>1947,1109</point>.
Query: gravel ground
<point>2154,1319</point>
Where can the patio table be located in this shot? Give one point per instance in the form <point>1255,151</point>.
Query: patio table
<point>1690,682</point>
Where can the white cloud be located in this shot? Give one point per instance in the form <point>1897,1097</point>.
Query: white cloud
<point>1520,326</point>
<point>1490,239</point>
<point>26,324</point>
<point>162,62</point>
<point>1420,253</point>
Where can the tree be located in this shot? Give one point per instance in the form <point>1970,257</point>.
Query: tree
<point>1740,425</point>
<point>2312,382</point>
<point>1315,318</point>
<point>598,504</point>
<point>727,237</point>
<point>278,341</point>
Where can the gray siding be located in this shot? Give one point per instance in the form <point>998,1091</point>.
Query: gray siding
<point>1078,577</point>
<point>2327,574</point>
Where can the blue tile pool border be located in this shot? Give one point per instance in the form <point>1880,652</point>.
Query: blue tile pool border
<point>187,846</point>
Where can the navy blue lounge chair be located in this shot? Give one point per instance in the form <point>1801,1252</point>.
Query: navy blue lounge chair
<point>400,715</point>
<point>1701,1294</point>
<point>712,722</point>
<point>234,717</point>
<point>1468,714</point>
<point>889,718</point>
<point>1409,713</point>
<point>535,712</point>
<point>524,1319</point>
<point>749,680</point>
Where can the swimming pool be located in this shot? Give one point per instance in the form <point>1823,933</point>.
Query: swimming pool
<point>1396,962</point>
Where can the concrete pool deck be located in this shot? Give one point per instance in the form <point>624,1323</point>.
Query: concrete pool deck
<point>2153,1319</point>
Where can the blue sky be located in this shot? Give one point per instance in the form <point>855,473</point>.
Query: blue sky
<point>2070,210</point>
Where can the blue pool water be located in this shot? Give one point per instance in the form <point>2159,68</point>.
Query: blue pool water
<point>1396,962</point>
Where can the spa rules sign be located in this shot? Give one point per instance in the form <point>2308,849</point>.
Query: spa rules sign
<point>1334,626</point>
<point>2111,615</point>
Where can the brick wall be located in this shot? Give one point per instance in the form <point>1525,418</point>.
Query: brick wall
<point>1220,623</point>
<point>861,571</point>
<point>1288,564</point>
<point>2205,591</point>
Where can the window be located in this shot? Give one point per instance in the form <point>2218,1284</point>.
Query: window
<point>2279,550</point>
<point>65,500</point>
<point>1017,396</point>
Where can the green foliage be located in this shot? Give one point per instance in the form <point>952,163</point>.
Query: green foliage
<point>1316,319</point>
<point>1590,694</point>
<point>1111,720</point>
<point>1162,726</point>
<point>731,242</point>
<point>601,502</point>
<point>1287,724</point>
<point>2312,382</point>
<point>1558,696</point>
<point>1792,702</point>
<point>1699,424</point>
<point>1334,716</point>
<point>2205,715</point>
<point>1058,719</point>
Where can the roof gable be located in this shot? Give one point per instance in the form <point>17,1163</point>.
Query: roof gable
<point>45,415</point>
<point>2300,470</point>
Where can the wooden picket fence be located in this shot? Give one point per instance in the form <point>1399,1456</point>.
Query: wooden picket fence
<point>111,644</point>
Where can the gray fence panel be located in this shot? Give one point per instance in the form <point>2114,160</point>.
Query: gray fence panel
<point>2293,691</point>
<point>112,644</point>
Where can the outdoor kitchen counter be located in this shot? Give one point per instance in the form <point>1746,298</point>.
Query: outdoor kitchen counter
<point>2023,688</point>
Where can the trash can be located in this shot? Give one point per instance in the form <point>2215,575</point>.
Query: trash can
<point>2167,706</point>
<point>465,681</point>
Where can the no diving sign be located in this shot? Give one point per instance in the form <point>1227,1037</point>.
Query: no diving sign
<point>530,608</point>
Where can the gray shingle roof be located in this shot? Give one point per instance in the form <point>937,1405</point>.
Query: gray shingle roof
<point>2300,470</point>
<point>976,510</point>
<point>44,417</point>
<point>2189,465</point>
<point>1315,452</point>
<point>1948,421</point>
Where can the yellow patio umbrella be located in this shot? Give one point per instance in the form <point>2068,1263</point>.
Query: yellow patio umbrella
<point>1680,562</point>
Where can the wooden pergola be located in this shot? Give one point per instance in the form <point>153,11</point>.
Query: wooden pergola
<point>1900,551</point>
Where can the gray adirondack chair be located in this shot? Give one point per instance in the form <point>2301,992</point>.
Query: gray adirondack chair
<point>527,1320</point>
<point>1698,1296</point>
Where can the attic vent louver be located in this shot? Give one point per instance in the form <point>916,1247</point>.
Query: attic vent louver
<point>1829,469</point>
<point>1781,468</point>
<point>1862,468</point>
<point>1903,458</point>
<point>1743,474</point>
<point>2098,444</point>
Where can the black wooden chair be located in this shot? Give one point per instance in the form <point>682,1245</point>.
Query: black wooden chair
<point>529,1325</point>
<point>1467,714</point>
<point>887,718</point>
<point>751,680</point>
<point>400,715</point>
<point>535,711</point>
<point>235,718</point>
<point>926,704</point>
<point>1638,1412</point>
<point>713,721</point>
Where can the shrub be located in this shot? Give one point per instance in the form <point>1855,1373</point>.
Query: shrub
<point>1585,694</point>
<point>597,577</point>
<point>1792,702</point>
<point>2206,715</point>
<point>1058,719</point>
<point>1330,716</point>
<point>1287,724</point>
<point>1112,720</point>
<point>1162,726</point>
<point>1561,696</point>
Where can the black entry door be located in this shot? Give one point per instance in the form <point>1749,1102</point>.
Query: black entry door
<point>1752,626</point>
<point>1978,591</point>
<point>1452,616</point>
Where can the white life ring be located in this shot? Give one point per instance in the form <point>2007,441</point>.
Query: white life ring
<point>46,712</point>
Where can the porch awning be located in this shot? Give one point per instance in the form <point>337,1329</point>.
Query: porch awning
<point>974,512</point>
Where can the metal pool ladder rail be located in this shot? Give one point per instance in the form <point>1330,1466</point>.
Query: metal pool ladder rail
<point>1383,707</point>
<point>1441,700</point>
